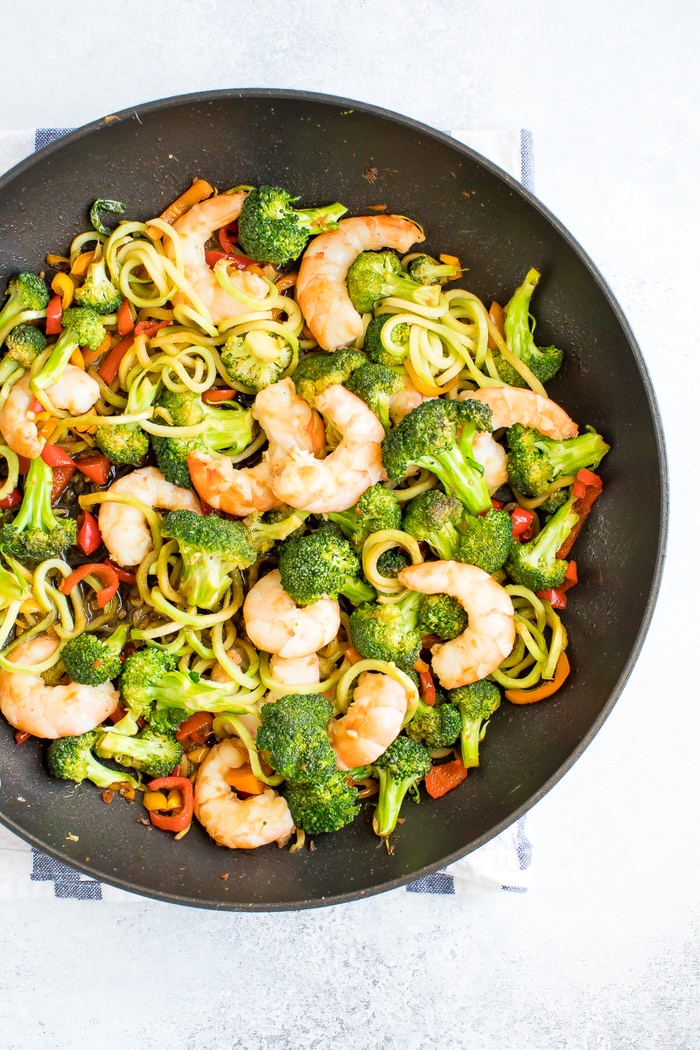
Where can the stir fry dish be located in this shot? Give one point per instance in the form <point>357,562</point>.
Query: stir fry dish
<point>287,515</point>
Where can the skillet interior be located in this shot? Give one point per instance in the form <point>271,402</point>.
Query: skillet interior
<point>332,149</point>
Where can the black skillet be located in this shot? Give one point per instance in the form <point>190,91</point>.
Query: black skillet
<point>333,149</point>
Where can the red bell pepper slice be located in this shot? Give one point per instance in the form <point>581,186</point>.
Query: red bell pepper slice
<point>123,575</point>
<point>125,318</point>
<point>13,500</point>
<point>54,315</point>
<point>196,728</point>
<point>212,397</point>
<point>497,504</point>
<point>555,596</point>
<point>149,328</point>
<point>226,235</point>
<point>21,736</point>
<point>427,688</point>
<point>593,486</point>
<point>239,261</point>
<point>110,366</point>
<point>95,466</point>
<point>103,571</point>
<point>89,538</point>
<point>522,520</point>
<point>59,482</point>
<point>55,456</point>
<point>445,777</point>
<point>176,821</point>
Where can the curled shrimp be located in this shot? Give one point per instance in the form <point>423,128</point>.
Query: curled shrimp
<point>289,422</point>
<point>490,634</point>
<point>194,229</point>
<point>511,404</point>
<point>124,529</point>
<point>321,290</point>
<point>372,721</point>
<point>232,821</point>
<point>75,392</point>
<point>336,482</point>
<point>275,623</point>
<point>290,672</point>
<point>54,711</point>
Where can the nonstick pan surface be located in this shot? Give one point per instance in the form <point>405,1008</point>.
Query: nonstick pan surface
<point>334,149</point>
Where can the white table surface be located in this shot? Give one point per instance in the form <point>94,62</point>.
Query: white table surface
<point>604,950</point>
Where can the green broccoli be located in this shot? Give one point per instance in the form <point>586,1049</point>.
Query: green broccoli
<point>91,660</point>
<point>399,770</point>
<point>128,443</point>
<point>390,562</point>
<point>23,345</point>
<point>325,806</point>
<point>315,372</point>
<point>426,270</point>
<point>272,527</point>
<point>535,461</point>
<point>27,299</point>
<point>271,230</point>
<point>36,534</point>
<point>71,758</point>
<point>228,430</point>
<point>387,343</point>
<point>388,630</point>
<point>155,754</point>
<point>377,509</point>
<point>376,385</point>
<point>487,540</point>
<point>254,359</point>
<point>543,362</point>
<point>437,435</point>
<point>293,734</point>
<point>97,291</point>
<point>441,614</point>
<point>321,564</point>
<point>434,518</point>
<point>535,564</point>
<point>374,276</point>
<point>81,327</point>
<point>435,727</point>
<point>476,703</point>
<point>212,550</point>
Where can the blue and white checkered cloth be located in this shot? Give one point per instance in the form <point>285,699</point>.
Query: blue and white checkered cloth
<point>504,863</point>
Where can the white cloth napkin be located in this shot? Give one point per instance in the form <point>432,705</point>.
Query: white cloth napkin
<point>504,863</point>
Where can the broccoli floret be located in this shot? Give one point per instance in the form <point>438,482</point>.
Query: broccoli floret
<point>317,371</point>
<point>71,758</point>
<point>152,753</point>
<point>23,345</point>
<point>377,509</point>
<point>434,518</point>
<point>437,726</point>
<point>388,630</point>
<point>266,530</point>
<point>321,564</point>
<point>487,540</point>
<point>294,735</point>
<point>91,660</point>
<point>441,614</point>
<point>392,561</point>
<point>437,435</point>
<point>376,385</point>
<point>128,443</point>
<point>327,806</point>
<point>212,550</point>
<point>426,270</point>
<point>271,230</point>
<point>374,276</point>
<point>386,346</point>
<point>153,689</point>
<point>97,291</point>
<point>228,430</point>
<point>36,534</point>
<point>475,703</point>
<point>544,362</point>
<point>81,327</point>
<point>399,770</point>
<point>256,358</point>
<point>536,461</point>
<point>535,564</point>
<point>27,299</point>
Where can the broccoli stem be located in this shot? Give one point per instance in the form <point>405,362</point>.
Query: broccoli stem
<point>460,479</point>
<point>391,796</point>
<point>54,366</point>
<point>314,218</point>
<point>35,511</point>
<point>470,737</point>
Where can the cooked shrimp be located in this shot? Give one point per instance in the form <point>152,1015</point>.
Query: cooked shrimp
<point>55,711</point>
<point>511,404</point>
<point>194,229</point>
<point>490,634</point>
<point>337,482</point>
<point>293,671</point>
<point>493,458</point>
<point>321,290</point>
<point>405,401</point>
<point>75,391</point>
<point>125,529</point>
<point>277,625</point>
<point>232,821</point>
<point>289,422</point>
<point>372,721</point>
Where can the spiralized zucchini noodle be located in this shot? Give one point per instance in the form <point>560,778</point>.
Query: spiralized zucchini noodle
<point>176,643</point>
